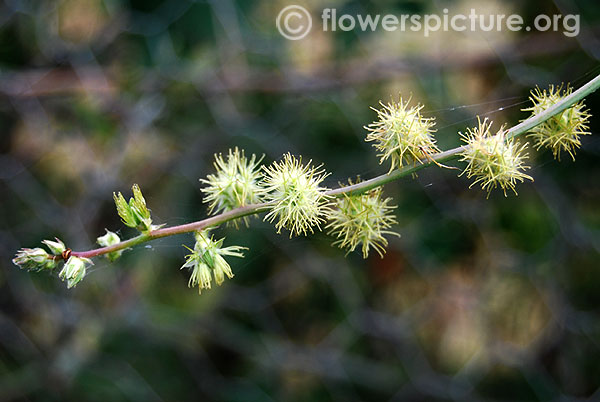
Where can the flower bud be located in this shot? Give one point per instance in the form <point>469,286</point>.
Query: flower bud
<point>56,247</point>
<point>139,209</point>
<point>34,259</point>
<point>134,214</point>
<point>123,210</point>
<point>109,239</point>
<point>74,270</point>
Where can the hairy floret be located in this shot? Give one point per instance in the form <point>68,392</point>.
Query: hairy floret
<point>401,134</point>
<point>207,258</point>
<point>235,183</point>
<point>298,201</point>
<point>493,160</point>
<point>562,131</point>
<point>362,220</point>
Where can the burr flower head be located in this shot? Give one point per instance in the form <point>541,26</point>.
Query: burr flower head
<point>562,131</point>
<point>298,201</point>
<point>401,134</point>
<point>493,160</point>
<point>34,259</point>
<point>134,214</point>
<point>207,258</point>
<point>235,184</point>
<point>109,239</point>
<point>362,220</point>
<point>74,270</point>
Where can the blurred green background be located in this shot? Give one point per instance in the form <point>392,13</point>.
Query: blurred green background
<point>479,299</point>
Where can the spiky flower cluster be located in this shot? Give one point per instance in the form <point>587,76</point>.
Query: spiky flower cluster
<point>298,201</point>
<point>134,214</point>
<point>493,160</point>
<point>560,132</point>
<point>402,134</point>
<point>235,184</point>
<point>207,258</point>
<point>362,220</point>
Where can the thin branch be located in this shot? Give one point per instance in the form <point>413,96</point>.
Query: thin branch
<point>361,187</point>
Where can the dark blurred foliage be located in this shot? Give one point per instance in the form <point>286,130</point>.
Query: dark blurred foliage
<point>480,299</point>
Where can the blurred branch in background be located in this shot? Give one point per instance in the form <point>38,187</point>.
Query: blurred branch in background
<point>327,76</point>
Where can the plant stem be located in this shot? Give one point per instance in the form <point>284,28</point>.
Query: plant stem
<point>174,230</point>
<point>358,188</point>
